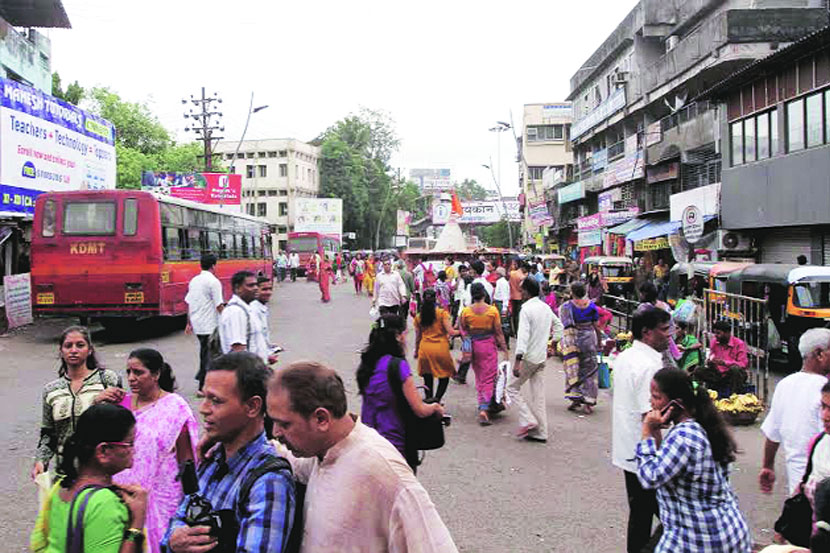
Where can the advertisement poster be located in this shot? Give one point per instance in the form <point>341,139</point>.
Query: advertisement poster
<point>18,296</point>
<point>403,221</point>
<point>432,180</point>
<point>539,214</point>
<point>49,145</point>
<point>323,215</point>
<point>206,188</point>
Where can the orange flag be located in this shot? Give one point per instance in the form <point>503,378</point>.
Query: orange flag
<point>456,205</point>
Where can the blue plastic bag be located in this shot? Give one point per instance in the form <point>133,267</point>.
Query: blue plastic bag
<point>604,376</point>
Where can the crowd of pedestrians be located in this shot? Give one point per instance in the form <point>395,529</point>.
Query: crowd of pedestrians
<point>282,464</point>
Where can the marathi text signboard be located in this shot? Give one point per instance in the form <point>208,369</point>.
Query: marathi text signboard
<point>206,188</point>
<point>323,215</point>
<point>606,219</point>
<point>17,290</point>
<point>539,214</point>
<point>561,110</point>
<point>572,192</point>
<point>49,145</point>
<point>477,213</point>
<point>629,168</point>
<point>651,244</point>
<point>614,103</point>
<point>589,238</point>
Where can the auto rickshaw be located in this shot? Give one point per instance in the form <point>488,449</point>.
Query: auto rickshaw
<point>798,299</point>
<point>688,278</point>
<point>552,262</point>
<point>618,273</point>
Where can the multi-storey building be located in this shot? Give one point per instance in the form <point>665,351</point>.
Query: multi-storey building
<point>274,173</point>
<point>775,139</point>
<point>637,138</point>
<point>545,159</point>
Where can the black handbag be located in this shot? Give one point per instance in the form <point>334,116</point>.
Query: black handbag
<point>796,520</point>
<point>421,434</point>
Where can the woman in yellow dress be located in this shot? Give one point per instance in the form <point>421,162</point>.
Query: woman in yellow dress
<point>433,329</point>
<point>369,276</point>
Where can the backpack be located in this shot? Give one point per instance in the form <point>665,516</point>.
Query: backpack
<point>429,277</point>
<point>272,463</point>
<point>215,340</point>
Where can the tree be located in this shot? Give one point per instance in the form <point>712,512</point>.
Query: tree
<point>354,166</point>
<point>470,190</point>
<point>496,235</point>
<point>136,126</point>
<point>74,92</point>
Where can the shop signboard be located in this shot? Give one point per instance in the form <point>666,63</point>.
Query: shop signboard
<point>539,214</point>
<point>614,103</point>
<point>572,192</point>
<point>627,169</point>
<point>17,291</point>
<point>206,188</point>
<point>614,218</point>
<point>432,180</point>
<point>477,213</point>
<point>659,243</point>
<point>705,198</point>
<point>48,145</point>
<point>590,238</point>
<point>559,110</point>
<point>323,215</point>
<point>606,199</point>
<point>590,222</point>
<point>404,218</point>
<point>599,160</point>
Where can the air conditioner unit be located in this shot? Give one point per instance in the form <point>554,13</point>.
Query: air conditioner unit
<point>731,241</point>
<point>620,78</point>
<point>671,42</point>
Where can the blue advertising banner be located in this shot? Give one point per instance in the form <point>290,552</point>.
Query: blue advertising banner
<point>17,200</point>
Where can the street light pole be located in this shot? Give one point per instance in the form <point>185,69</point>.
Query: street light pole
<point>501,126</point>
<point>503,203</point>
<point>251,111</point>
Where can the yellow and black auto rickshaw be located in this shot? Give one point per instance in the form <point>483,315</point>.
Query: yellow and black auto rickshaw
<point>617,272</point>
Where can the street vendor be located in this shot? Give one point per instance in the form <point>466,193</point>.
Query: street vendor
<point>727,362</point>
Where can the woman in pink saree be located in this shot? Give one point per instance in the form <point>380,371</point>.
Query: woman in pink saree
<point>165,436</point>
<point>325,279</point>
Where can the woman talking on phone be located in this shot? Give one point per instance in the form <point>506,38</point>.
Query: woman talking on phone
<point>689,469</point>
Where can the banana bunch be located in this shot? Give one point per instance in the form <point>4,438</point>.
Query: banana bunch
<point>628,336</point>
<point>713,394</point>
<point>740,403</point>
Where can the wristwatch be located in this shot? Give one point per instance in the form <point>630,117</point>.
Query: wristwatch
<point>134,535</point>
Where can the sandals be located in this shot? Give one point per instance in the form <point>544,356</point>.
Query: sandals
<point>484,419</point>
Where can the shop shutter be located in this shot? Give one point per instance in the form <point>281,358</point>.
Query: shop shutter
<point>784,245</point>
<point>825,245</point>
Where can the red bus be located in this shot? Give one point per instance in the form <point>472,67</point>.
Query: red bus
<point>306,244</point>
<point>119,255</point>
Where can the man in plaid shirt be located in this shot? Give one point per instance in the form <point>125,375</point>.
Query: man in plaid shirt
<point>233,411</point>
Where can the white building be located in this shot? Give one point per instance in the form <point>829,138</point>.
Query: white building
<point>274,173</point>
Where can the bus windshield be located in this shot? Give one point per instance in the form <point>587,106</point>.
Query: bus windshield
<point>812,295</point>
<point>89,218</point>
<point>303,244</point>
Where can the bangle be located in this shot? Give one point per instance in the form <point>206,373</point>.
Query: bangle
<point>134,535</point>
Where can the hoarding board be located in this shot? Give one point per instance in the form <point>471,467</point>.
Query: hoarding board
<point>477,213</point>
<point>206,188</point>
<point>17,290</point>
<point>323,215</point>
<point>49,145</point>
<point>572,192</point>
<point>431,180</point>
<point>539,214</point>
<point>404,218</point>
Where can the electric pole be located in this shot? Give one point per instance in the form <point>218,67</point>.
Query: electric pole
<point>206,122</point>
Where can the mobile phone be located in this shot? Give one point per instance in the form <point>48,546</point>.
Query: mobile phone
<point>669,405</point>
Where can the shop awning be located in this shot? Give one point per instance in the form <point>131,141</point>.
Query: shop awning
<point>627,227</point>
<point>653,230</point>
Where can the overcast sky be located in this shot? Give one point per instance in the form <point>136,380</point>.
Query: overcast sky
<point>444,71</point>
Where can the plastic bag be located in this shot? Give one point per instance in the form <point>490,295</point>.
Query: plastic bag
<point>501,383</point>
<point>374,313</point>
<point>686,312</point>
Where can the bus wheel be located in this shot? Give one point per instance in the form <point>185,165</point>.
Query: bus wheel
<point>118,325</point>
<point>83,321</point>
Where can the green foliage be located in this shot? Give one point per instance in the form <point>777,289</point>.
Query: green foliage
<point>470,190</point>
<point>354,166</point>
<point>136,126</point>
<point>73,94</point>
<point>497,235</point>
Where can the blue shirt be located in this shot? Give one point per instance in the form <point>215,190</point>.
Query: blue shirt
<point>270,509</point>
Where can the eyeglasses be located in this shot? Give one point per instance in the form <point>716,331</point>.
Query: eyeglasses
<point>122,444</point>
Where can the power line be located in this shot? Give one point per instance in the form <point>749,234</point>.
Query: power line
<point>207,121</point>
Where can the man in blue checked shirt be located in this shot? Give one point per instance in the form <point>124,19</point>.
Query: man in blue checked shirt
<point>234,412</point>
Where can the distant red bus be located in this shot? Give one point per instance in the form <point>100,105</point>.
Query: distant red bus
<point>119,255</point>
<point>306,244</point>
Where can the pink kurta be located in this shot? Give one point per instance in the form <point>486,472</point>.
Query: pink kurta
<point>154,460</point>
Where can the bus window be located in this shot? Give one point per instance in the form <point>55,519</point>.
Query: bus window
<point>192,247</point>
<point>130,216</point>
<point>171,215</point>
<point>211,220</point>
<point>48,228</point>
<point>243,244</point>
<point>214,243</point>
<point>226,250</point>
<point>171,243</point>
<point>203,242</point>
<point>89,218</point>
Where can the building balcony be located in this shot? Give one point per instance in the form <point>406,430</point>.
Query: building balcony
<point>736,28</point>
<point>26,57</point>
<point>688,129</point>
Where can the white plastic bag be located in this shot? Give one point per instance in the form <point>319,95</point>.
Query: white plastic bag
<point>501,383</point>
<point>374,313</point>
<point>43,481</point>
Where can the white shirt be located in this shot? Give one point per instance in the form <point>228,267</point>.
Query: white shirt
<point>240,325</point>
<point>487,286</point>
<point>204,295</point>
<point>633,370</point>
<point>460,286</point>
<point>502,292</point>
<point>390,289</point>
<point>794,419</point>
<point>261,341</point>
<point>362,497</point>
<point>294,261</point>
<point>536,319</point>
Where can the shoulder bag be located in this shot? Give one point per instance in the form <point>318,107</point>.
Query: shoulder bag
<point>796,520</point>
<point>420,434</point>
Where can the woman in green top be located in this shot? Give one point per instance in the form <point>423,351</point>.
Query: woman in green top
<point>111,517</point>
<point>689,346</point>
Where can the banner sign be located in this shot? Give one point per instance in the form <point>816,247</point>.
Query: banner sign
<point>590,238</point>
<point>572,192</point>
<point>47,144</point>
<point>432,180</point>
<point>654,134</point>
<point>606,199</point>
<point>589,222</point>
<point>477,213</point>
<point>614,103</point>
<point>629,168</point>
<point>562,110</point>
<point>323,215</point>
<point>206,188</point>
<point>651,244</point>
<point>606,219</point>
<point>17,290</point>
<point>403,221</point>
<point>539,214</point>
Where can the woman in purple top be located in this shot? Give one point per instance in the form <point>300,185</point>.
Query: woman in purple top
<point>387,344</point>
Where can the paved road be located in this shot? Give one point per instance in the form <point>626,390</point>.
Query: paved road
<point>496,494</point>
